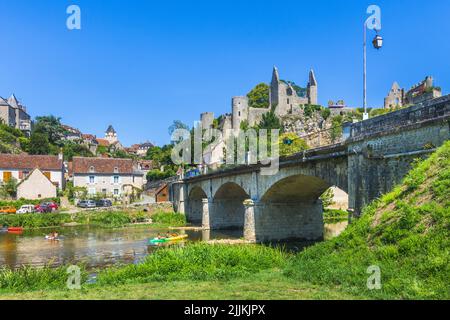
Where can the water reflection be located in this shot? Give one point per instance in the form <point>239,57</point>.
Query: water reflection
<point>97,247</point>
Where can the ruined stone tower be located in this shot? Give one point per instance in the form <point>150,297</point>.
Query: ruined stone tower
<point>284,97</point>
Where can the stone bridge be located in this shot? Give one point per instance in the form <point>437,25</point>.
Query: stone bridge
<point>375,156</point>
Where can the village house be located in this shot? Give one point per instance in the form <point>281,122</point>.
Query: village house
<point>19,167</point>
<point>36,186</point>
<point>106,176</point>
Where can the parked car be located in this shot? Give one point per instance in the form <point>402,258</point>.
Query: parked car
<point>42,208</point>
<point>87,204</point>
<point>104,203</point>
<point>7,210</point>
<point>27,208</point>
<point>52,205</point>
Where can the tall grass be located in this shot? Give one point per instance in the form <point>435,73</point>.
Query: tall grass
<point>197,262</point>
<point>169,218</point>
<point>29,279</point>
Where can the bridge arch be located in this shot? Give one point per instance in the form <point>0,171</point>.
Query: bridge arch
<point>228,207</point>
<point>195,204</point>
<point>295,188</point>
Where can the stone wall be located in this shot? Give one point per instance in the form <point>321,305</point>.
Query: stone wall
<point>288,221</point>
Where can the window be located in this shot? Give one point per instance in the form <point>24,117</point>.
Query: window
<point>116,192</point>
<point>116,170</point>
<point>91,179</point>
<point>116,179</point>
<point>92,169</point>
<point>104,191</point>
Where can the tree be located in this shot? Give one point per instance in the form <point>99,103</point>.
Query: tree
<point>327,198</point>
<point>50,126</point>
<point>72,149</point>
<point>270,121</point>
<point>291,144</point>
<point>177,125</point>
<point>9,188</point>
<point>259,96</point>
<point>39,144</point>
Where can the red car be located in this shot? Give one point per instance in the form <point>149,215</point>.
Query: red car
<point>46,207</point>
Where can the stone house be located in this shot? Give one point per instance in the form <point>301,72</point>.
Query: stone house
<point>14,114</point>
<point>36,186</point>
<point>106,176</point>
<point>20,166</point>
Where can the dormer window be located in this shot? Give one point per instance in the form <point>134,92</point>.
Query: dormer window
<point>116,170</point>
<point>92,169</point>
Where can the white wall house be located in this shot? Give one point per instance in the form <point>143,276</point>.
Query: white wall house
<point>20,166</point>
<point>36,186</point>
<point>110,177</point>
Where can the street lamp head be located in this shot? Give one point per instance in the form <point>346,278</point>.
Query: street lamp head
<point>378,42</point>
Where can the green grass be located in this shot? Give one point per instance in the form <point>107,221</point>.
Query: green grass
<point>197,262</point>
<point>405,233</point>
<point>334,215</point>
<point>262,286</point>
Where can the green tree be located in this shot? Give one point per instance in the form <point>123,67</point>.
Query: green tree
<point>50,126</point>
<point>327,198</point>
<point>177,125</point>
<point>259,96</point>
<point>291,144</point>
<point>9,188</point>
<point>39,144</point>
<point>270,121</point>
<point>24,144</point>
<point>72,149</point>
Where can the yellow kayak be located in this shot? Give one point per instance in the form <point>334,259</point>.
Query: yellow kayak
<point>171,239</point>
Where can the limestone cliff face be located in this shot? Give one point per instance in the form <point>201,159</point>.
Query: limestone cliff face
<point>312,127</point>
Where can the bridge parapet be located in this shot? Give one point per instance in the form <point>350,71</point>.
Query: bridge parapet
<point>417,115</point>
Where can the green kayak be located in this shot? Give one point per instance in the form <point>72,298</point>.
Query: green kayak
<point>163,240</point>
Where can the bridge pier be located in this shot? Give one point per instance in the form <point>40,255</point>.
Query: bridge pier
<point>206,224</point>
<point>265,221</point>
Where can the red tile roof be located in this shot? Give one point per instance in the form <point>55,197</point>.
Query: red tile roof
<point>103,142</point>
<point>30,162</point>
<point>83,165</point>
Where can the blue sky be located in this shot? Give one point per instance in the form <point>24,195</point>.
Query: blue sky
<point>139,65</point>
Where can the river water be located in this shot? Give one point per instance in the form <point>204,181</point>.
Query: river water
<point>99,247</point>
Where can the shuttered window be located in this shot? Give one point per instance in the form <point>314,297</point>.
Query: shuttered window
<point>7,176</point>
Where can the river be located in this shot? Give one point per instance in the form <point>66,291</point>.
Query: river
<point>100,247</point>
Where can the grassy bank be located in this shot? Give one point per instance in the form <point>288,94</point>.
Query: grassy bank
<point>265,286</point>
<point>113,219</point>
<point>405,233</point>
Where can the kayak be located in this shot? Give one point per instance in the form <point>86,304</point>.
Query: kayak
<point>51,238</point>
<point>3,230</point>
<point>15,229</point>
<point>171,239</point>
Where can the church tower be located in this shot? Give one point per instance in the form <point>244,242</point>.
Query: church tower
<point>111,135</point>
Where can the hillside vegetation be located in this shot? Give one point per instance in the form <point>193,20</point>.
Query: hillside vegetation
<point>406,234</point>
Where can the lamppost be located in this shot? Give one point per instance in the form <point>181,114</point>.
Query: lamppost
<point>377,44</point>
